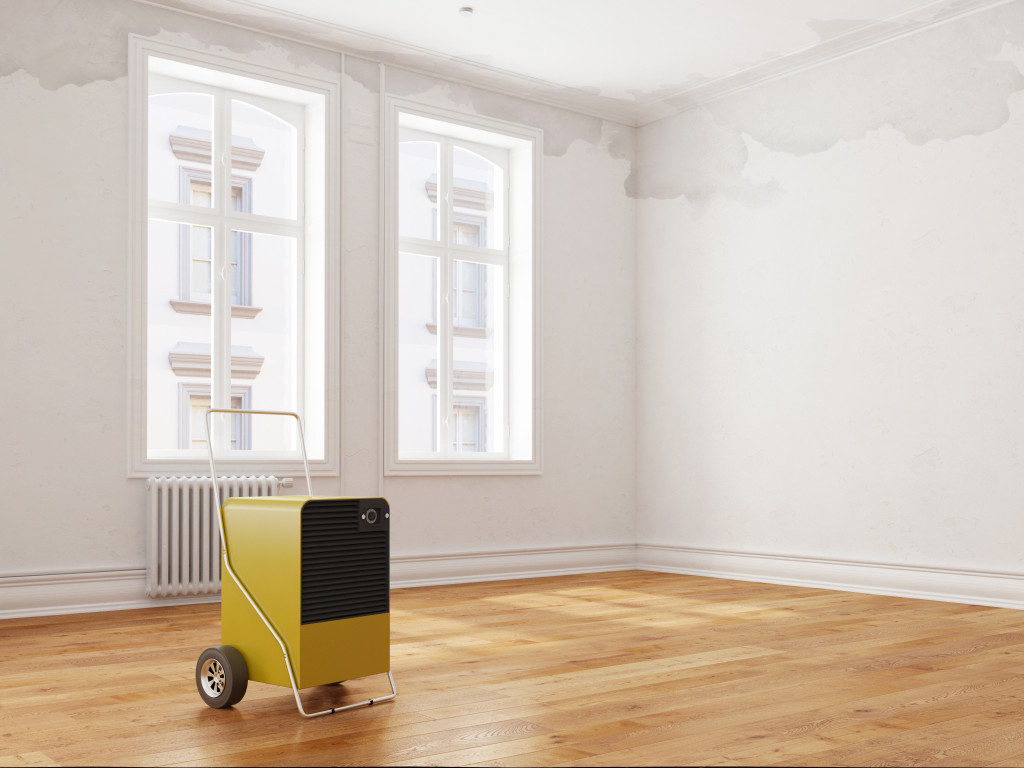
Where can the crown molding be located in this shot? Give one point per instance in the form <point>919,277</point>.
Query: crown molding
<point>642,109</point>
<point>287,25</point>
<point>928,16</point>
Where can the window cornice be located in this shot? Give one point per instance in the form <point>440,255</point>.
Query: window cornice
<point>193,360</point>
<point>191,145</point>
<point>203,308</point>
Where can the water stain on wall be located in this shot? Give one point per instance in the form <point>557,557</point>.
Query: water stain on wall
<point>940,84</point>
<point>561,127</point>
<point>77,42</point>
<point>696,157</point>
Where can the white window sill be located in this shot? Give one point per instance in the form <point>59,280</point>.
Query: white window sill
<point>279,468</point>
<point>439,467</point>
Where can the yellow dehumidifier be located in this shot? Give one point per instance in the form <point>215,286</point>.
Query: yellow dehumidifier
<point>305,598</point>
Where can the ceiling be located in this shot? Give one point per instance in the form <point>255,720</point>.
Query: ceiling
<point>631,60</point>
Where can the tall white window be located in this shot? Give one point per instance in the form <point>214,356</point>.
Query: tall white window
<point>234,166</point>
<point>461,367</point>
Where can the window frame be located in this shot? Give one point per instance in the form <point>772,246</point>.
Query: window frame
<point>321,234</point>
<point>524,256</point>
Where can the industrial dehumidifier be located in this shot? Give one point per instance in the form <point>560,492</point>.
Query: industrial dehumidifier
<point>305,600</point>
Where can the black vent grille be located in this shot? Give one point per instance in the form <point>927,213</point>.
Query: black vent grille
<point>344,568</point>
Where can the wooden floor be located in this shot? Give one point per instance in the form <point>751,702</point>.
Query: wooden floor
<point>630,668</point>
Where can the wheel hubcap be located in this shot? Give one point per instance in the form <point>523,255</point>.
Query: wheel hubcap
<point>212,677</point>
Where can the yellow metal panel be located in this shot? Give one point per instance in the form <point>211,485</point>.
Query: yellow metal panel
<point>243,629</point>
<point>345,649</point>
<point>264,547</point>
<point>263,540</point>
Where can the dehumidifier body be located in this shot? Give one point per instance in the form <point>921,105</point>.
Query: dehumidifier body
<point>304,592</point>
<point>319,570</point>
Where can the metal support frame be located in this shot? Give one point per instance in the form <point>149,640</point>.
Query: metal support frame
<point>241,586</point>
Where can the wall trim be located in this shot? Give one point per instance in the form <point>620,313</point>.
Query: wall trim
<point>48,594</point>
<point>460,568</point>
<point>304,30</point>
<point>850,43</point>
<point>643,109</point>
<point>998,589</point>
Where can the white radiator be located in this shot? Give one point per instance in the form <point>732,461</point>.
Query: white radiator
<point>184,537</point>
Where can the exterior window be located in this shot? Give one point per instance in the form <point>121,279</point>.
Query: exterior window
<point>468,292</point>
<point>236,182</point>
<point>196,262</point>
<point>194,401</point>
<point>468,418</point>
<point>460,297</point>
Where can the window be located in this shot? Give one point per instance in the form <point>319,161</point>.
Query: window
<point>233,266</point>
<point>460,361</point>
<point>194,400</point>
<point>467,425</point>
<point>195,244</point>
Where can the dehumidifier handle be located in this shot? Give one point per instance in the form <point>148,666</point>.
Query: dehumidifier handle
<point>209,444</point>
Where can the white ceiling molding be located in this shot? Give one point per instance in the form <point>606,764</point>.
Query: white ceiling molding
<point>643,107</point>
<point>339,39</point>
<point>849,44</point>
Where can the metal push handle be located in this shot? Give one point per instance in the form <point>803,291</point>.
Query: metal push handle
<point>209,444</point>
<point>225,550</point>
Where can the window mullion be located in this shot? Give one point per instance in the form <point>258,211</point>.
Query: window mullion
<point>220,314</point>
<point>445,365</point>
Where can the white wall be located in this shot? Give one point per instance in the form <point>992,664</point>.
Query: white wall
<point>808,374</point>
<point>830,324</point>
<point>73,523</point>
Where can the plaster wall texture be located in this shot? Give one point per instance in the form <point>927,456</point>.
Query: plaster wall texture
<point>816,351</point>
<point>69,505</point>
<point>830,331</point>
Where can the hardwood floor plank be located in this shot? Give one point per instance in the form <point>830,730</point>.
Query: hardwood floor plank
<point>553,756</point>
<point>537,750</point>
<point>28,759</point>
<point>624,668</point>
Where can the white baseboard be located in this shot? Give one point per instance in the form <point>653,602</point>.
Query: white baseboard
<point>427,570</point>
<point>59,593</point>
<point>991,588</point>
<point>52,594</point>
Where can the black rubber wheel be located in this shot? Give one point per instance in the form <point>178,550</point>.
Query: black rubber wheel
<point>221,676</point>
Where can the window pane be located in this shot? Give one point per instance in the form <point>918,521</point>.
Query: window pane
<point>265,348</point>
<point>180,147</point>
<point>200,257</point>
<point>265,151</point>
<point>418,163</point>
<point>200,193</point>
<point>479,200</point>
<point>177,344</point>
<point>199,401</point>
<point>478,402</point>
<point>417,354</point>
<point>466,436</point>
<point>467,281</point>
